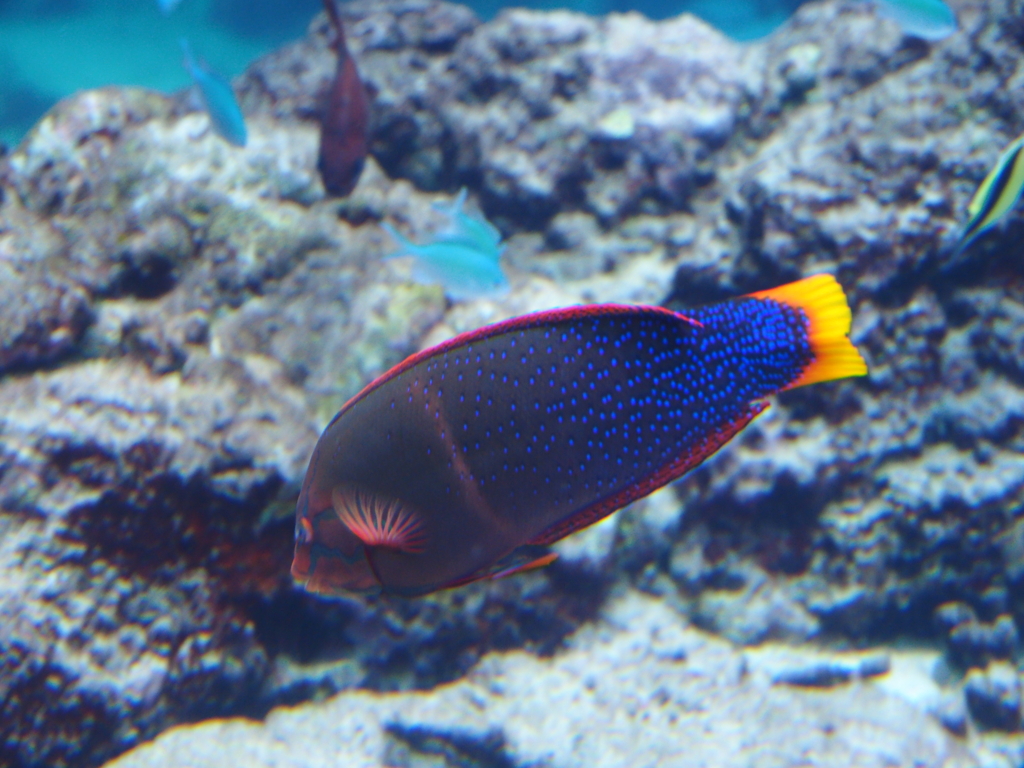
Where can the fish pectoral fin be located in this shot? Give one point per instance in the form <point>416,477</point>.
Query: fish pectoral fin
<point>379,521</point>
<point>525,558</point>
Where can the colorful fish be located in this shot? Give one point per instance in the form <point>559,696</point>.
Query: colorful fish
<point>465,461</point>
<point>345,124</point>
<point>218,98</point>
<point>464,257</point>
<point>997,194</point>
<point>927,19</point>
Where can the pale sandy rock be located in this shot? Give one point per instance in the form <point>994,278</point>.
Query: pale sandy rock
<point>638,688</point>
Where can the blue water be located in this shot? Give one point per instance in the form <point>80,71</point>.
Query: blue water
<point>52,48</point>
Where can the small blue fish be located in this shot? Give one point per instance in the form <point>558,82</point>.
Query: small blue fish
<point>997,194</point>
<point>219,100</point>
<point>478,232</point>
<point>464,257</point>
<point>927,19</point>
<point>166,6</point>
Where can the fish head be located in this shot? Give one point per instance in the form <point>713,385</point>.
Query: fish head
<point>329,559</point>
<point>493,283</point>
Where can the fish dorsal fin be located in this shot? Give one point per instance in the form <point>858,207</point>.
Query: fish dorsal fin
<point>455,208</point>
<point>379,521</point>
<point>466,229</point>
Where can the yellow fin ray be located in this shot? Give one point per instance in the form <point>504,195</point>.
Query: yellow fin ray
<point>828,326</point>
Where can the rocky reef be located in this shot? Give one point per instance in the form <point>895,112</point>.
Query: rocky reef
<point>180,318</point>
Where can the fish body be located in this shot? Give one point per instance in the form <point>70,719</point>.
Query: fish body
<point>458,263</point>
<point>219,100</point>
<point>930,20</point>
<point>345,124</point>
<point>997,194</point>
<point>468,459</point>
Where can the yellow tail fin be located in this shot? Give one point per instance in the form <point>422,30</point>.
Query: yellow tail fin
<point>828,326</point>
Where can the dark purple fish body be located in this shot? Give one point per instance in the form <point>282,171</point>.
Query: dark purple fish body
<point>515,435</point>
<point>343,128</point>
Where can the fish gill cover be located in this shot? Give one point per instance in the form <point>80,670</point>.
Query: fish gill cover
<point>180,319</point>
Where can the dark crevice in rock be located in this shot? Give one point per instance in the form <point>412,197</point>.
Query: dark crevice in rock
<point>150,280</point>
<point>693,287</point>
<point>455,749</point>
<point>302,626</point>
<point>320,646</point>
<point>155,522</point>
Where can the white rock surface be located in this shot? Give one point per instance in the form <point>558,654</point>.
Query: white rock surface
<point>638,688</point>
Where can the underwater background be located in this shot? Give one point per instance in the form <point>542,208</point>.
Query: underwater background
<point>51,48</point>
<point>186,302</point>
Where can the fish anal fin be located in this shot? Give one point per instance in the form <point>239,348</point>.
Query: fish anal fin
<point>647,485</point>
<point>538,562</point>
<point>524,558</point>
<point>379,521</point>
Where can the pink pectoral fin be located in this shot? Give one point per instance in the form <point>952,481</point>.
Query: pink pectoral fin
<point>378,521</point>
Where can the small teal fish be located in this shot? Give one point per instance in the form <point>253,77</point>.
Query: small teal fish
<point>219,100</point>
<point>464,270</point>
<point>166,6</point>
<point>927,19</point>
<point>997,194</point>
<point>477,231</point>
<point>464,257</point>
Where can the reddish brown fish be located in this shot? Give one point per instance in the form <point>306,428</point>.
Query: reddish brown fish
<point>343,129</point>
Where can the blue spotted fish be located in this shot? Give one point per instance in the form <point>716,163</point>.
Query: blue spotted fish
<point>465,461</point>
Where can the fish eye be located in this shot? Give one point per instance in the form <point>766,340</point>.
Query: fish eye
<point>303,530</point>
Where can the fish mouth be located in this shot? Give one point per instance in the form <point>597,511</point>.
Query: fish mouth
<point>300,573</point>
